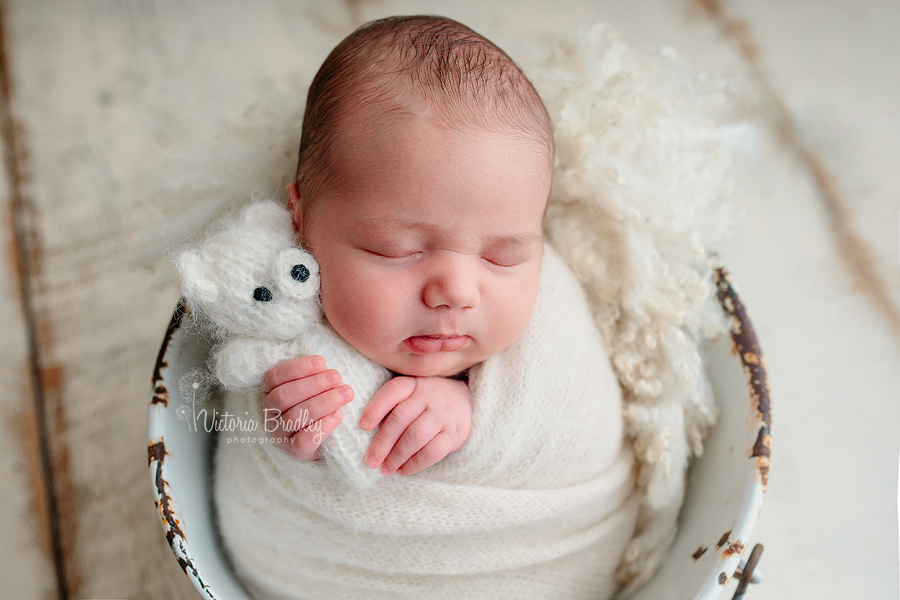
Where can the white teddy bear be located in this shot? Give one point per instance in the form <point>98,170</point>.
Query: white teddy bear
<point>261,294</point>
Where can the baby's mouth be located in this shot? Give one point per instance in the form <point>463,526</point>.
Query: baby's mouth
<point>426,344</point>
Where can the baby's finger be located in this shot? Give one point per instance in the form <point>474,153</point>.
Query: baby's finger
<point>439,447</point>
<point>391,429</point>
<point>304,445</point>
<point>416,437</point>
<point>289,370</point>
<point>288,395</point>
<point>390,395</point>
<point>301,415</point>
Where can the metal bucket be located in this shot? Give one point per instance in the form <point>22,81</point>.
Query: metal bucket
<point>725,487</point>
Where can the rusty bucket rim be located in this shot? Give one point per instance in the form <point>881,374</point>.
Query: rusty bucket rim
<point>731,547</point>
<point>745,344</point>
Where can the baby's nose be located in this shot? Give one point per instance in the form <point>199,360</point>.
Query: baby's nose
<point>453,284</point>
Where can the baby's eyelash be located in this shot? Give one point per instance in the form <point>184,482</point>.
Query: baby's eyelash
<point>392,256</point>
<point>499,263</point>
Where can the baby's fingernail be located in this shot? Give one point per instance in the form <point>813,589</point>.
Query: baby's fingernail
<point>385,470</point>
<point>365,422</point>
<point>371,460</point>
<point>317,362</point>
<point>346,392</point>
<point>333,377</point>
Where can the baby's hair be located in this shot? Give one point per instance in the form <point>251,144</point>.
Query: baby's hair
<point>402,66</point>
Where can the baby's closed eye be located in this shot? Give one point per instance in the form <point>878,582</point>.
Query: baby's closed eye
<point>503,261</point>
<point>508,257</point>
<point>392,254</point>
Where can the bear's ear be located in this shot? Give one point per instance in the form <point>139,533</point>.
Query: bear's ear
<point>197,284</point>
<point>268,215</point>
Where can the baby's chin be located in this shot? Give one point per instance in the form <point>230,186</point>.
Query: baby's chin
<point>431,366</point>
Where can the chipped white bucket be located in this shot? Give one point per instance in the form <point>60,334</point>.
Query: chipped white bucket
<point>725,487</point>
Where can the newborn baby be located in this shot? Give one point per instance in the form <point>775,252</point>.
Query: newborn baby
<point>425,168</point>
<point>420,191</point>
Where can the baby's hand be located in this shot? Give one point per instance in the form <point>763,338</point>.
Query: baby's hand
<point>303,400</point>
<point>430,417</point>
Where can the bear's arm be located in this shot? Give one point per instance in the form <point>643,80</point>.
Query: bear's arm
<point>242,363</point>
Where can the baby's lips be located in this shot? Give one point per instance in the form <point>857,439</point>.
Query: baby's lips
<point>427,344</point>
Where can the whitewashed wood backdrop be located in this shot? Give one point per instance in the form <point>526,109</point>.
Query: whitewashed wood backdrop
<point>127,123</point>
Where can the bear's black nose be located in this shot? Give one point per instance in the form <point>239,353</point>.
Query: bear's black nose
<point>262,294</point>
<point>300,273</point>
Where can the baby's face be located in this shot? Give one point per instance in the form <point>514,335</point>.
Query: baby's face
<point>430,248</point>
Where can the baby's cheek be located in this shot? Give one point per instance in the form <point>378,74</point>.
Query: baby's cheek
<point>518,305</point>
<point>355,308</point>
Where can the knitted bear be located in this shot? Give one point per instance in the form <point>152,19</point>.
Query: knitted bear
<point>260,294</point>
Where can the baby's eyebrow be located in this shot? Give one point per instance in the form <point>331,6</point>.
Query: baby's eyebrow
<point>405,225</point>
<point>492,241</point>
<point>514,239</point>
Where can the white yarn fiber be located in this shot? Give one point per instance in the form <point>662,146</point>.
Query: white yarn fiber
<point>639,202</point>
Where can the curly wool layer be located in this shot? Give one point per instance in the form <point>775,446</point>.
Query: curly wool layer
<point>639,202</point>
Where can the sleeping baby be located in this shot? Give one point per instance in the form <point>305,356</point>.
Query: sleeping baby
<point>425,168</point>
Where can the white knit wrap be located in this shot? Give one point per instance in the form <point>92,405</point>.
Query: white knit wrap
<point>537,503</point>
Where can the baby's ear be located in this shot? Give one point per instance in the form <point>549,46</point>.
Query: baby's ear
<point>268,215</point>
<point>196,280</point>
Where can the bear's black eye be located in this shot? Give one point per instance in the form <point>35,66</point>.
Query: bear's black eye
<point>262,294</point>
<point>300,273</point>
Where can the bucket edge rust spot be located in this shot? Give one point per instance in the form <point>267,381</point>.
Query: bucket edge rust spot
<point>723,540</point>
<point>736,547</point>
<point>160,392</point>
<point>156,451</point>
<point>746,346</point>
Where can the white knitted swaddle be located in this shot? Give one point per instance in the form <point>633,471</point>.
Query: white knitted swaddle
<point>538,503</point>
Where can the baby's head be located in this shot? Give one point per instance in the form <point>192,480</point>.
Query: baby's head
<point>425,166</point>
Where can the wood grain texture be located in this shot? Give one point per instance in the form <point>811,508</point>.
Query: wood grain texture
<point>823,238</point>
<point>140,119</point>
<point>835,69</point>
<point>28,566</point>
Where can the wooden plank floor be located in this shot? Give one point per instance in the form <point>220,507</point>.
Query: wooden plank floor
<point>127,124</point>
<point>26,519</point>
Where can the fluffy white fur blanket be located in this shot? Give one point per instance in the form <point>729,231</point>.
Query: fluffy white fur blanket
<point>645,152</point>
<point>538,503</point>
